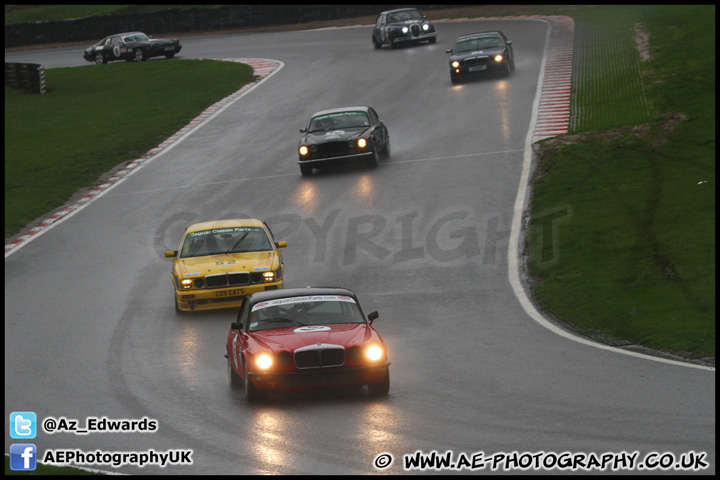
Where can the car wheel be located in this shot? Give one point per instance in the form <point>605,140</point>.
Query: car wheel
<point>252,394</point>
<point>373,161</point>
<point>376,44</point>
<point>386,150</point>
<point>508,68</point>
<point>390,42</point>
<point>140,55</point>
<point>233,378</point>
<point>381,387</point>
<point>169,55</point>
<point>306,170</point>
<point>455,79</point>
<point>432,40</point>
<point>100,59</point>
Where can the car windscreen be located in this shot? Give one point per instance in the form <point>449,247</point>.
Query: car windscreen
<point>334,121</point>
<point>477,43</point>
<point>404,15</point>
<point>135,37</point>
<point>304,311</point>
<point>218,241</point>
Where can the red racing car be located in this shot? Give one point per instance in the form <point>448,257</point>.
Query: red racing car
<point>303,338</point>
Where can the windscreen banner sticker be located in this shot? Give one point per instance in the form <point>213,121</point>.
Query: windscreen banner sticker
<point>217,231</point>
<point>341,114</point>
<point>303,299</point>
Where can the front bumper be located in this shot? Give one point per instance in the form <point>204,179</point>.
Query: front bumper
<point>213,298</point>
<point>319,378</point>
<point>320,162</point>
<point>409,37</point>
<point>478,69</point>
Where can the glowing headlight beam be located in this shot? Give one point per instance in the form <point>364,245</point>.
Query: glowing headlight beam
<point>374,353</point>
<point>263,361</point>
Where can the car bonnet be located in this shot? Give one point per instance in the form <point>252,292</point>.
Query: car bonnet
<point>231,262</point>
<point>291,338</point>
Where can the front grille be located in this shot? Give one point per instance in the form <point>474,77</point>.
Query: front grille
<point>332,149</point>
<point>227,279</point>
<point>473,61</point>
<point>320,357</point>
<point>415,29</point>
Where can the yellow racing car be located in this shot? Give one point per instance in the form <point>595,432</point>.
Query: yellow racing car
<point>221,262</point>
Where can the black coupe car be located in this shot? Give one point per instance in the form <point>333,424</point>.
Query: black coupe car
<point>341,135</point>
<point>402,26</point>
<point>132,46</point>
<point>479,53</point>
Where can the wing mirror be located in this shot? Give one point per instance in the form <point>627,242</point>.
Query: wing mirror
<point>171,254</point>
<point>303,130</point>
<point>236,326</point>
<point>449,51</point>
<point>372,316</point>
<point>282,244</point>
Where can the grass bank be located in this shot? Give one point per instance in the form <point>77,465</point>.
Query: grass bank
<point>96,117</point>
<point>623,232</point>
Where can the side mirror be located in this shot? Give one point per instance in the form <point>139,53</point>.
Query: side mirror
<point>449,51</point>
<point>303,130</point>
<point>372,316</point>
<point>171,254</point>
<point>509,42</point>
<point>282,244</point>
<point>236,326</point>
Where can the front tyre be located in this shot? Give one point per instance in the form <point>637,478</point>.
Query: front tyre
<point>252,394</point>
<point>306,170</point>
<point>100,59</point>
<point>140,55</point>
<point>376,44</point>
<point>380,388</point>
<point>233,379</point>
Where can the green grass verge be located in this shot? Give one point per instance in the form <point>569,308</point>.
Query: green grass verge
<point>96,117</point>
<point>634,254</point>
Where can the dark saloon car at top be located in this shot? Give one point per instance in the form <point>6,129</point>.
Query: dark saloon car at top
<point>131,46</point>
<point>343,135</point>
<point>481,52</point>
<point>401,27</point>
<point>305,338</point>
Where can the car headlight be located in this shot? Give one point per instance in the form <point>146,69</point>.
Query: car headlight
<point>263,361</point>
<point>269,276</point>
<point>498,58</point>
<point>374,353</point>
<point>304,150</point>
<point>426,27</point>
<point>362,143</point>
<point>404,29</point>
<point>455,64</point>
<point>186,283</point>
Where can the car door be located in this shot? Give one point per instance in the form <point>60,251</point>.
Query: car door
<point>116,48</point>
<point>382,28</point>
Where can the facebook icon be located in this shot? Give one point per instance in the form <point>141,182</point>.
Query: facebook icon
<point>23,456</point>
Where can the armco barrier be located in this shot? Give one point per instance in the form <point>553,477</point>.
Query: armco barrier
<point>27,76</point>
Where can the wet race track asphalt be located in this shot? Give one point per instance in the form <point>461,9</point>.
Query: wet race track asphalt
<point>90,328</point>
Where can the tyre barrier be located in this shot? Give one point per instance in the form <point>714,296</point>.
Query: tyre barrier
<point>26,76</point>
